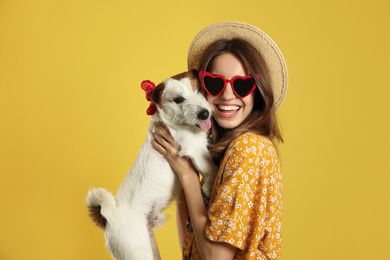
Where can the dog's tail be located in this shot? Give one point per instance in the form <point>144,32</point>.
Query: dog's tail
<point>101,205</point>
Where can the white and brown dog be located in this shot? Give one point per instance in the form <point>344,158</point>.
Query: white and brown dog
<point>151,185</point>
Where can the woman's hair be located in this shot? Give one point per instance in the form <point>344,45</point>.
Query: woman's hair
<point>262,119</point>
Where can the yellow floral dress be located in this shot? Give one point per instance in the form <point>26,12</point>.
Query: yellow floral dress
<point>246,202</point>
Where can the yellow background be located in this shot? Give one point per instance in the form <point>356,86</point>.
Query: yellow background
<point>72,117</point>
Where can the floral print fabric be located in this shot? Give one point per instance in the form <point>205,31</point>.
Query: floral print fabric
<point>246,201</point>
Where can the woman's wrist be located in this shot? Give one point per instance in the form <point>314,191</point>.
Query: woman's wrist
<point>185,169</point>
<point>188,176</point>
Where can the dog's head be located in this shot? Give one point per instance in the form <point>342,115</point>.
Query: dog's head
<point>180,102</point>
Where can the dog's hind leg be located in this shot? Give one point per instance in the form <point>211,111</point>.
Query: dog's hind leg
<point>205,165</point>
<point>157,221</point>
<point>153,244</point>
<point>138,244</point>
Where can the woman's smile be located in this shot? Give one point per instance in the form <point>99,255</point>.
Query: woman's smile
<point>228,111</point>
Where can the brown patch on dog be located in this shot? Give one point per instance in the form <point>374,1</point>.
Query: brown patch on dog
<point>97,217</point>
<point>195,82</point>
<point>157,94</point>
<point>182,75</point>
<point>192,75</point>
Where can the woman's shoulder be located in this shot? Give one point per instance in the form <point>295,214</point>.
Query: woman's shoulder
<point>252,145</point>
<point>250,139</point>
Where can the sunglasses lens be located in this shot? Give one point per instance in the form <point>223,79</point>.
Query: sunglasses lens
<point>213,85</point>
<point>244,87</point>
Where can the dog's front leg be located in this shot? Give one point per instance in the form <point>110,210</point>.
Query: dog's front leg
<point>206,167</point>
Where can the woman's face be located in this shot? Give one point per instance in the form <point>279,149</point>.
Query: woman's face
<point>229,110</point>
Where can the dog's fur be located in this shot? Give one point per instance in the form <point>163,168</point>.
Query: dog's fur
<point>151,185</point>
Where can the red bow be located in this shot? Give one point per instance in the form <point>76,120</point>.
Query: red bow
<point>148,86</point>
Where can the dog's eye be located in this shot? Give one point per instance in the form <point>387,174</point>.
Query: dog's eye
<point>179,100</point>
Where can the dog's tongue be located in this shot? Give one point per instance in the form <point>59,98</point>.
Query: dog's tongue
<point>205,125</point>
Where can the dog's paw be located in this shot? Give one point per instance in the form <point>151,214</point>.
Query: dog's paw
<point>206,198</point>
<point>207,186</point>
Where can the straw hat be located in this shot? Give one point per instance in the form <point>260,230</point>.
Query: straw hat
<point>270,52</point>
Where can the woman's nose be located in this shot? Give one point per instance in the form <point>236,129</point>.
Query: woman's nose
<point>228,92</point>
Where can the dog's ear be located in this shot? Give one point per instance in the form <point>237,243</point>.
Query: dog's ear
<point>157,93</point>
<point>194,74</point>
<point>195,82</point>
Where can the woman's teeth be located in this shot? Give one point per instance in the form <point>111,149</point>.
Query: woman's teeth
<point>228,108</point>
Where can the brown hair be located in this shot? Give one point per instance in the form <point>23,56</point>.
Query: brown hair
<point>262,119</point>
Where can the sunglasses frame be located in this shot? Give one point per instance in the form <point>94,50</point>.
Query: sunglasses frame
<point>203,74</point>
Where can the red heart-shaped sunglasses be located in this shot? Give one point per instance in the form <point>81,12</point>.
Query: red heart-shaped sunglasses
<point>215,84</point>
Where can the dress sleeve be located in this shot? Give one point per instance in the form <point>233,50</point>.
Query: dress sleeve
<point>238,212</point>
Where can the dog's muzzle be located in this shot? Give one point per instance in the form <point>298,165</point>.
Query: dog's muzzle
<point>203,114</point>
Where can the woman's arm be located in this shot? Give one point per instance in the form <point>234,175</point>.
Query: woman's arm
<point>189,179</point>
<point>181,216</point>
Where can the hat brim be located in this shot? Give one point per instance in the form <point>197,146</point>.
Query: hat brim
<point>267,48</point>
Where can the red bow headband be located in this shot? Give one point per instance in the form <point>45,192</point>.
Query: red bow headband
<point>148,86</point>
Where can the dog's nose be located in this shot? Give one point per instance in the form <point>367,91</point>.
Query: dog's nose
<point>203,114</point>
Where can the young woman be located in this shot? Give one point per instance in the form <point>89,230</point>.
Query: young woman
<point>244,78</point>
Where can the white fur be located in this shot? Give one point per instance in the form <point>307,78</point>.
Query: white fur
<point>151,185</point>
